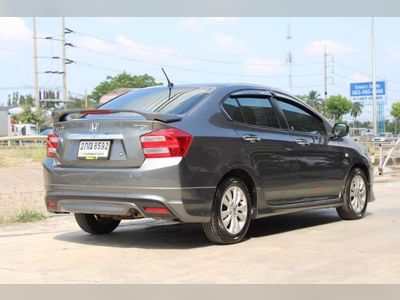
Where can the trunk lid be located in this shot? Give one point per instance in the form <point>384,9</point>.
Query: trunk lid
<point>123,134</point>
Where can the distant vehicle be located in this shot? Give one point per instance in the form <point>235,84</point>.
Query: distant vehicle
<point>46,131</point>
<point>25,129</point>
<point>384,137</point>
<point>361,134</point>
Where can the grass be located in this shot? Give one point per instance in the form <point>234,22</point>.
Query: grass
<point>16,156</point>
<point>28,217</point>
<point>25,216</point>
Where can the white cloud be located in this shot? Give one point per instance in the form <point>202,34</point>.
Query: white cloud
<point>129,48</point>
<point>14,29</point>
<point>263,67</point>
<point>191,24</point>
<point>15,36</point>
<point>394,54</point>
<point>332,47</point>
<point>227,43</point>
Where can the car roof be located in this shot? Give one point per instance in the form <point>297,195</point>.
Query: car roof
<point>225,87</point>
<point>217,85</point>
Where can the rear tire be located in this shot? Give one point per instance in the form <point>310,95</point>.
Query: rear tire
<point>355,196</point>
<point>96,225</point>
<point>230,214</point>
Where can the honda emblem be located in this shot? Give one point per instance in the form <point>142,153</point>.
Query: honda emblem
<point>94,127</point>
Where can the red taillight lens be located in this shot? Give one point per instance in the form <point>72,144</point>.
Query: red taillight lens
<point>169,142</point>
<point>96,112</point>
<point>52,144</point>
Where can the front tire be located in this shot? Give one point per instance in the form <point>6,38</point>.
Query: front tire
<point>96,225</point>
<point>231,213</point>
<point>355,196</point>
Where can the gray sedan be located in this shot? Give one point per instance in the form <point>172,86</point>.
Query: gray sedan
<point>217,154</point>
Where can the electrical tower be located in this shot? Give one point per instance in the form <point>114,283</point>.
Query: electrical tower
<point>35,65</point>
<point>48,95</point>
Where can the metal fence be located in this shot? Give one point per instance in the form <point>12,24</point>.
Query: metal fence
<point>27,141</point>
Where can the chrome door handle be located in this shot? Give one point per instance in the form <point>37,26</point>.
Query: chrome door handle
<point>251,138</point>
<point>302,142</point>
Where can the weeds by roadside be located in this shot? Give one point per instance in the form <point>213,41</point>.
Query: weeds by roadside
<point>25,216</point>
<point>17,156</point>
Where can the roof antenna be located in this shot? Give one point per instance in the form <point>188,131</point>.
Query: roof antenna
<point>170,84</point>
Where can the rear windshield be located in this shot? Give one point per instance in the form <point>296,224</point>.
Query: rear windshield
<point>158,99</point>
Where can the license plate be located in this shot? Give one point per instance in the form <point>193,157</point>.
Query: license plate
<point>94,150</point>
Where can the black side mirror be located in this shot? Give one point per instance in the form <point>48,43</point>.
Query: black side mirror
<point>340,130</point>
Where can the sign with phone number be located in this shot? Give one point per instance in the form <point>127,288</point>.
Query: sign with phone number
<point>364,89</point>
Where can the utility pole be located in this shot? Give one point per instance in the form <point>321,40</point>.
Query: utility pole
<point>65,87</point>
<point>86,103</point>
<point>289,59</point>
<point>373,76</point>
<point>325,78</point>
<point>35,65</point>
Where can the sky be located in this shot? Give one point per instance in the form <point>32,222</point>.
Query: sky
<point>199,50</point>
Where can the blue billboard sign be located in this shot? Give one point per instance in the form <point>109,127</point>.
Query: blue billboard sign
<point>364,89</point>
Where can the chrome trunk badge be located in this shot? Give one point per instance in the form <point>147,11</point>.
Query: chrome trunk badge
<point>94,127</point>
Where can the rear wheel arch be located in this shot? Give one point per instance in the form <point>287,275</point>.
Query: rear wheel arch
<point>247,179</point>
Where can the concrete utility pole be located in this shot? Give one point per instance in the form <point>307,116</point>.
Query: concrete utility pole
<point>86,100</point>
<point>325,78</point>
<point>65,87</point>
<point>373,76</point>
<point>35,65</point>
<point>290,56</point>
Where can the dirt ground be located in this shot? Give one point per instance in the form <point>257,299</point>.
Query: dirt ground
<point>21,189</point>
<point>307,247</point>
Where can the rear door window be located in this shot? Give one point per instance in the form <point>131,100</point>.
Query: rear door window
<point>252,111</point>
<point>231,106</point>
<point>259,112</point>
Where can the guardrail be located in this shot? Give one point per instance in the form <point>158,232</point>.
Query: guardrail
<point>23,140</point>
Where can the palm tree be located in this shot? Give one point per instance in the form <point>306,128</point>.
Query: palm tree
<point>314,99</point>
<point>356,110</point>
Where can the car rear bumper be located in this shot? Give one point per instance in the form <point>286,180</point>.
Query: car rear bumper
<point>127,192</point>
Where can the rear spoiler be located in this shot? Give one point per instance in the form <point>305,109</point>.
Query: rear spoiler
<point>151,116</point>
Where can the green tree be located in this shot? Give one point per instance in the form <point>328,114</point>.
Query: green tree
<point>28,116</point>
<point>15,99</point>
<point>123,80</point>
<point>396,115</point>
<point>356,110</point>
<point>337,106</point>
<point>396,110</point>
<point>313,98</point>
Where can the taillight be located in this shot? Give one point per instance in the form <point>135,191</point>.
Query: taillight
<point>169,142</point>
<point>52,144</point>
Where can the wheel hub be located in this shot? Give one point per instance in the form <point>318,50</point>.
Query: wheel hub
<point>233,210</point>
<point>358,193</point>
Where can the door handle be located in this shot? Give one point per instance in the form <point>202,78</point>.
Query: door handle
<point>251,138</point>
<point>302,142</point>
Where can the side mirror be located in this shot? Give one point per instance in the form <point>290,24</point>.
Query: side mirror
<point>340,130</point>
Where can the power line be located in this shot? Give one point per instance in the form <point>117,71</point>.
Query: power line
<point>118,70</point>
<point>149,49</point>
<point>190,70</point>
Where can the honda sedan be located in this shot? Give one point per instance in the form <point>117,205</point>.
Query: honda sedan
<point>216,154</point>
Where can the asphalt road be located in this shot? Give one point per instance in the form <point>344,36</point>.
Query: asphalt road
<point>308,247</point>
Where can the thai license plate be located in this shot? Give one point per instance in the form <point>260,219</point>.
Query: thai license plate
<point>94,149</point>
